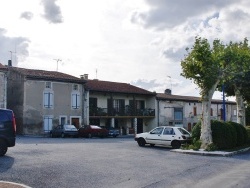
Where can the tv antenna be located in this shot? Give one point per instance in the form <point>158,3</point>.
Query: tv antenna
<point>170,81</point>
<point>57,61</point>
<point>11,52</point>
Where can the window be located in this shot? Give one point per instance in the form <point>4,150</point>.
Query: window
<point>48,99</point>
<point>75,87</point>
<point>178,113</point>
<point>119,105</point>
<point>157,130</point>
<point>63,120</point>
<point>195,111</point>
<point>211,112</point>
<point>235,112</point>
<point>75,100</point>
<point>168,131</point>
<point>48,85</point>
<point>47,123</point>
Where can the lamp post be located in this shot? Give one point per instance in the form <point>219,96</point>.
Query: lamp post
<point>224,103</point>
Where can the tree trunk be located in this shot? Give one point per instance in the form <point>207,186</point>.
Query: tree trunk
<point>206,132</point>
<point>240,108</point>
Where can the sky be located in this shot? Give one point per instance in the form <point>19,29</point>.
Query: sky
<point>140,42</point>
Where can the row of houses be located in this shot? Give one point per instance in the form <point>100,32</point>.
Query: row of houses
<point>43,99</point>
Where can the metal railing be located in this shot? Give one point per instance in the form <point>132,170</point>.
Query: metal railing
<point>121,112</point>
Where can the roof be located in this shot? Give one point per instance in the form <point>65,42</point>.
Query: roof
<point>115,87</point>
<point>2,67</point>
<point>170,97</point>
<point>34,74</point>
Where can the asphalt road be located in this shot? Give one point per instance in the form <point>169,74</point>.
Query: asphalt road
<point>116,163</point>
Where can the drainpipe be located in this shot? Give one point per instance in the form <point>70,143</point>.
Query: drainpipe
<point>158,113</point>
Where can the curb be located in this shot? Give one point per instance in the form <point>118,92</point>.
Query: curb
<point>210,153</point>
<point>7,184</point>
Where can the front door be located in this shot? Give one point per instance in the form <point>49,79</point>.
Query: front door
<point>75,122</point>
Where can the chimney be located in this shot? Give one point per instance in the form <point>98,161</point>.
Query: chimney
<point>168,91</point>
<point>84,77</point>
<point>9,63</point>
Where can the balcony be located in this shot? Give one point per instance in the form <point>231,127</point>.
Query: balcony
<point>147,112</point>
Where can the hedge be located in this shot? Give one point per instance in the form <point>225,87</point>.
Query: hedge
<point>225,135</point>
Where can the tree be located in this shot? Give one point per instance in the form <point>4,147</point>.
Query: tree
<point>237,75</point>
<point>204,65</point>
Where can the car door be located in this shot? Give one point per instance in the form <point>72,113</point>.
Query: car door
<point>58,130</point>
<point>155,136</point>
<point>167,136</point>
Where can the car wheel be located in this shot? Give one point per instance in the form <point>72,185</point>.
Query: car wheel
<point>89,135</point>
<point>141,142</point>
<point>152,145</point>
<point>3,148</point>
<point>175,144</point>
<point>63,135</point>
<point>51,135</point>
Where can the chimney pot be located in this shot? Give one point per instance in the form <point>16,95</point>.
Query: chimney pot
<point>10,63</point>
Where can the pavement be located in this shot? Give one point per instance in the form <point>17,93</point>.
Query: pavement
<point>6,184</point>
<point>210,153</point>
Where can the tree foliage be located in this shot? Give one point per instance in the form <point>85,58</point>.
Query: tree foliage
<point>237,75</point>
<point>203,63</point>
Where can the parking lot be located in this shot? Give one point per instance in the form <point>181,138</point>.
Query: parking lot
<point>115,162</point>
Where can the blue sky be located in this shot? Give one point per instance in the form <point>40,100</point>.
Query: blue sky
<point>140,42</point>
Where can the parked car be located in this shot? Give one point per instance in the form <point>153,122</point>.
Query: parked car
<point>113,132</point>
<point>164,135</point>
<point>7,130</point>
<point>90,131</point>
<point>64,131</point>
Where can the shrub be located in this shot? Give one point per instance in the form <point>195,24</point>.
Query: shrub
<point>196,145</point>
<point>233,134</point>
<point>222,135</point>
<point>248,134</point>
<point>241,131</point>
<point>196,131</point>
<point>211,147</point>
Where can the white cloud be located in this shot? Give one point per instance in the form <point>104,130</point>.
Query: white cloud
<point>139,42</point>
<point>52,11</point>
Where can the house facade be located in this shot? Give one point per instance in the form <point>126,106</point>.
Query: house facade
<point>120,105</point>
<point>43,99</point>
<point>3,86</point>
<point>185,111</point>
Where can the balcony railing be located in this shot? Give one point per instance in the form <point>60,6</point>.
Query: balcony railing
<point>121,112</point>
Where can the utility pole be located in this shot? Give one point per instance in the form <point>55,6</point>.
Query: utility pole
<point>57,60</point>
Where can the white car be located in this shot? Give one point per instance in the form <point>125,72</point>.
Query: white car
<point>164,135</point>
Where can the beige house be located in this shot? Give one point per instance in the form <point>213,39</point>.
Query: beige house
<point>185,111</point>
<point>43,99</point>
<point>123,106</point>
<point>3,86</point>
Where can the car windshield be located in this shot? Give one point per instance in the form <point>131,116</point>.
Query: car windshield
<point>95,127</point>
<point>183,131</point>
<point>69,127</point>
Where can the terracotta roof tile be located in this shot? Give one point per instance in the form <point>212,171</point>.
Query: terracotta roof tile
<point>46,75</point>
<point>2,67</point>
<point>163,96</point>
<point>116,87</point>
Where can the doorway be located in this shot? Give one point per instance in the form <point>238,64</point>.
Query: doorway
<point>76,122</point>
<point>139,125</point>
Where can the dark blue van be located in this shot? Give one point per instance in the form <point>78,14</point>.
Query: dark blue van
<point>7,130</point>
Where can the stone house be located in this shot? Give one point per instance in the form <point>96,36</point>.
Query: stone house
<point>3,86</point>
<point>185,111</point>
<point>43,99</point>
<point>123,106</point>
